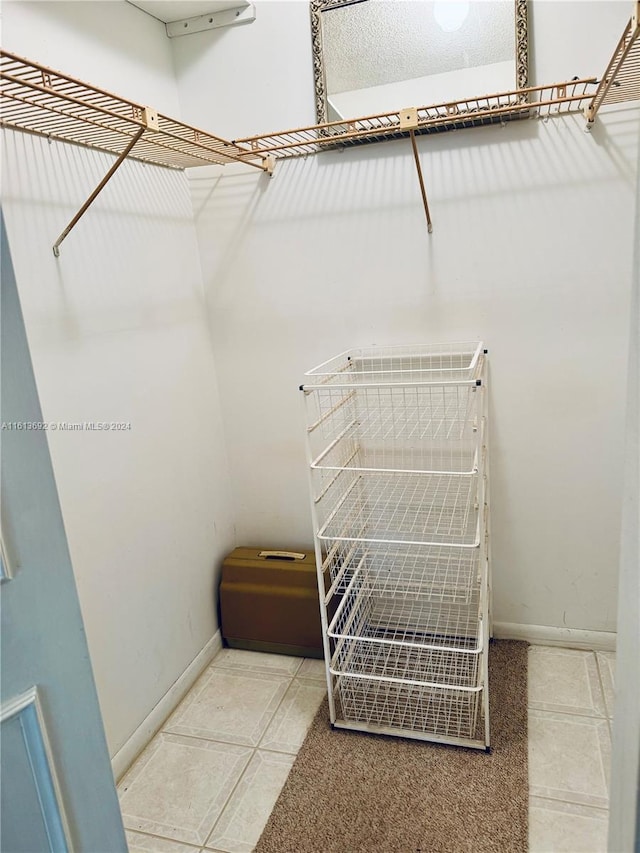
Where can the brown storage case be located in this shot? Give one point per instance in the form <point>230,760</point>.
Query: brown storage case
<point>269,602</point>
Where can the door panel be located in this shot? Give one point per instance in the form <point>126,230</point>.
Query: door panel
<point>55,762</point>
<point>28,784</point>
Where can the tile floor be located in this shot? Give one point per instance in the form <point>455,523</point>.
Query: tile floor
<point>209,779</point>
<point>570,710</point>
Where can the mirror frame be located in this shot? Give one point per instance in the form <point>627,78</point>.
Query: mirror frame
<point>316,8</point>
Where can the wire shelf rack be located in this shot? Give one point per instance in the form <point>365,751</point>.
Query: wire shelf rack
<point>39,100</point>
<point>621,80</point>
<point>427,509</point>
<point>397,443</point>
<point>410,710</point>
<point>438,574</point>
<point>533,102</point>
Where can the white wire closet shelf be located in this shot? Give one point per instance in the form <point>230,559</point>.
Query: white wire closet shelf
<point>437,573</point>
<point>423,509</point>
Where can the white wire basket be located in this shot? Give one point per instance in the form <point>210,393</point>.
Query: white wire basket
<point>438,573</point>
<point>419,428</point>
<point>381,411</point>
<point>409,710</point>
<point>427,509</point>
<point>410,666</point>
<point>403,639</point>
<point>420,363</point>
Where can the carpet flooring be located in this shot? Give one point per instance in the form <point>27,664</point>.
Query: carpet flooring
<point>352,792</point>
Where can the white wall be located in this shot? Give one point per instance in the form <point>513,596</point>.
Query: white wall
<point>118,332</point>
<point>249,79</point>
<point>531,251</point>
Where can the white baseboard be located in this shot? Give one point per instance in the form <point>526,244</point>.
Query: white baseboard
<point>545,635</point>
<point>127,754</point>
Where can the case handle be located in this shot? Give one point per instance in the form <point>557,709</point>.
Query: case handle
<point>281,555</point>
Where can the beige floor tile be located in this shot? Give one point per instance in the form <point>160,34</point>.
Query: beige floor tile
<point>230,706</point>
<point>607,667</point>
<point>569,758</point>
<point>312,668</point>
<point>242,659</point>
<point>139,843</point>
<point>248,810</point>
<point>556,827</point>
<point>291,722</point>
<point>565,680</point>
<point>179,786</point>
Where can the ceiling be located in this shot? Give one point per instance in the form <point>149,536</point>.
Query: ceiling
<point>178,10</point>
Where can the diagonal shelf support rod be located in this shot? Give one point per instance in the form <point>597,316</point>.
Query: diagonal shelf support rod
<point>421,181</point>
<point>97,191</point>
